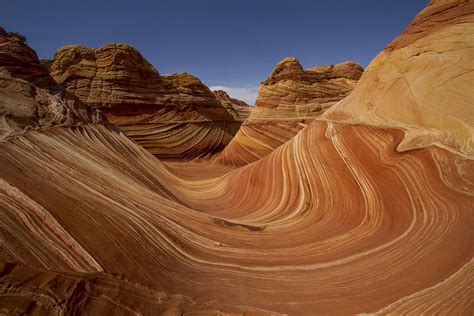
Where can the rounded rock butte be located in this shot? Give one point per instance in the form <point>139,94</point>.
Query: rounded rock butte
<point>362,211</point>
<point>175,117</point>
<point>287,102</point>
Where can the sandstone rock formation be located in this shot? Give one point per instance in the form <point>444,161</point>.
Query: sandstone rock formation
<point>174,116</point>
<point>46,63</point>
<point>288,100</point>
<point>435,40</point>
<point>292,91</point>
<point>335,221</point>
<point>29,97</point>
<point>239,109</point>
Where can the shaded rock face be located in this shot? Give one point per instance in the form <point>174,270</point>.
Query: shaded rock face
<point>239,109</point>
<point>287,102</point>
<point>46,63</point>
<point>158,112</point>
<point>29,97</point>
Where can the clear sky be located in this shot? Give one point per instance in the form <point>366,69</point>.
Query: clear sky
<point>228,43</point>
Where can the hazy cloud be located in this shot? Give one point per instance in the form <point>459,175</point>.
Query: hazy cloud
<point>246,94</point>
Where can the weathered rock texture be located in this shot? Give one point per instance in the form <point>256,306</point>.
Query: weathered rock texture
<point>423,69</point>
<point>29,97</point>
<point>174,116</point>
<point>335,221</point>
<point>291,91</point>
<point>288,100</point>
<point>239,109</point>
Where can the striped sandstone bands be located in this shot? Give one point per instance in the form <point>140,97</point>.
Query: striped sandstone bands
<point>337,220</point>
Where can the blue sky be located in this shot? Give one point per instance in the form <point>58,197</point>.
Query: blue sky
<point>228,43</point>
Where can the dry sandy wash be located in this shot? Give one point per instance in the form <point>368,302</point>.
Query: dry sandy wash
<point>368,209</point>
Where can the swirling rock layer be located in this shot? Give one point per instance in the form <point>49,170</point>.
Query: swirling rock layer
<point>411,81</point>
<point>288,100</point>
<point>337,220</point>
<point>174,116</point>
<point>258,138</point>
<point>271,236</point>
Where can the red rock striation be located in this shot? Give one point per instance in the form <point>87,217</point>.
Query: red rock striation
<point>291,91</point>
<point>338,220</point>
<point>288,100</point>
<point>173,116</point>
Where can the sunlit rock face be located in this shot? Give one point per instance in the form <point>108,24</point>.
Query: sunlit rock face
<point>288,100</point>
<point>239,109</point>
<point>422,82</point>
<point>293,91</point>
<point>29,97</point>
<point>338,220</point>
<point>173,116</point>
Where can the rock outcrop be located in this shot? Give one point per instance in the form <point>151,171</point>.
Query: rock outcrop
<point>46,63</point>
<point>291,91</point>
<point>239,109</point>
<point>288,100</point>
<point>423,69</point>
<point>173,116</point>
<point>29,97</point>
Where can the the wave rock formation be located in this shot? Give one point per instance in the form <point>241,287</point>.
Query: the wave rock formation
<point>368,209</point>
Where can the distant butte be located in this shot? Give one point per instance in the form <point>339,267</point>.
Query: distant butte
<point>287,101</point>
<point>239,109</point>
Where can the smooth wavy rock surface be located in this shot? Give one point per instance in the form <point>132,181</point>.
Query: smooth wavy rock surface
<point>239,109</point>
<point>29,97</point>
<point>409,83</point>
<point>335,221</point>
<point>288,100</point>
<point>173,116</point>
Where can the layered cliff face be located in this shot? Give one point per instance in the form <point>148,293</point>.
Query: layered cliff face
<point>288,100</point>
<point>239,109</point>
<point>29,97</point>
<point>174,116</point>
<point>337,220</point>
